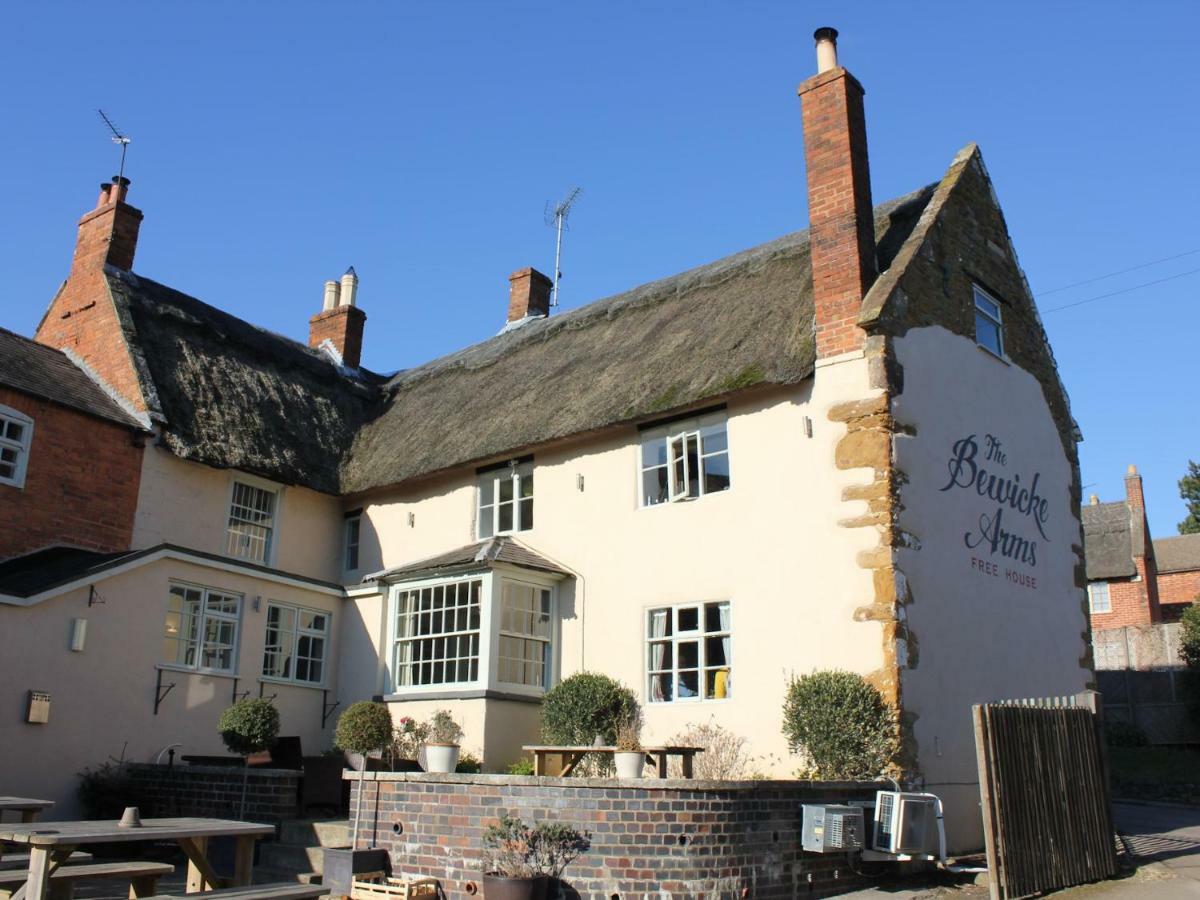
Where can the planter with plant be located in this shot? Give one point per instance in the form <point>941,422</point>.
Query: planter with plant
<point>582,708</point>
<point>840,726</point>
<point>405,752</point>
<point>519,860</point>
<point>364,728</point>
<point>248,727</point>
<point>441,745</point>
<point>630,757</point>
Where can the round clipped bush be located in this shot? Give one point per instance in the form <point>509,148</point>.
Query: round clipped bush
<point>249,726</point>
<point>585,705</point>
<point>839,725</point>
<point>364,727</point>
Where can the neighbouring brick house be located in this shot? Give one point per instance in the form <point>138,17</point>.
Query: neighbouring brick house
<point>846,448</point>
<point>1138,588</point>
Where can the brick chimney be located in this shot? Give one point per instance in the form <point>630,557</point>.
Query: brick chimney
<point>1143,546</point>
<point>841,221</point>
<point>528,294</point>
<point>81,318</point>
<point>340,321</point>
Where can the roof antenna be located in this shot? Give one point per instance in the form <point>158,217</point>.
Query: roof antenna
<point>117,138</point>
<point>557,219</point>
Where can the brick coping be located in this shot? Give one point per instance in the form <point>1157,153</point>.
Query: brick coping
<point>215,770</point>
<point>649,784</point>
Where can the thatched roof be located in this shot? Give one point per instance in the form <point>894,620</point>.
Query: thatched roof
<point>49,374</point>
<point>1108,541</point>
<point>231,395</point>
<point>740,322</point>
<point>1177,554</point>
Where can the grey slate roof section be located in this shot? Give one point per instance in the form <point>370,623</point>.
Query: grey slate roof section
<point>742,321</point>
<point>232,395</point>
<point>1107,541</point>
<point>41,371</point>
<point>1177,554</point>
<point>472,558</point>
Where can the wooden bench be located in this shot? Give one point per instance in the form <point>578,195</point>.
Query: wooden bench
<point>285,890</point>
<point>142,876</point>
<point>21,860</point>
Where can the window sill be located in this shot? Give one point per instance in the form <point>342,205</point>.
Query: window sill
<point>667,504</point>
<point>464,694</point>
<point>192,670</point>
<point>994,355</point>
<point>290,682</point>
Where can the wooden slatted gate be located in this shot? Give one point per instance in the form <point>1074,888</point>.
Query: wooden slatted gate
<point>1043,782</point>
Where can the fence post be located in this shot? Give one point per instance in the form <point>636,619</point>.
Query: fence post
<point>1095,702</point>
<point>983,761</point>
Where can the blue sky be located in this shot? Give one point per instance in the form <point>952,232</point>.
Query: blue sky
<point>277,143</point>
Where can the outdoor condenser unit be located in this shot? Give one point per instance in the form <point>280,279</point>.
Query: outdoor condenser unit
<point>829,828</point>
<point>905,823</point>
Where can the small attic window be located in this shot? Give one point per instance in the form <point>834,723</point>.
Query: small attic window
<point>16,430</point>
<point>989,327</point>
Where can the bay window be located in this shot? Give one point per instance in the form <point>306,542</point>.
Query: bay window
<point>506,498</point>
<point>688,652</point>
<point>684,460</point>
<point>524,634</point>
<point>437,634</point>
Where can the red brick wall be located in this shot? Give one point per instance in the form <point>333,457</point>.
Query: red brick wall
<point>1175,591</point>
<point>1130,605</point>
<point>81,483</point>
<point>343,327</point>
<point>841,222</point>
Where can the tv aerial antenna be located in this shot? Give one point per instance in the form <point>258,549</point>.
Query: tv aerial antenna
<point>117,138</point>
<point>556,218</point>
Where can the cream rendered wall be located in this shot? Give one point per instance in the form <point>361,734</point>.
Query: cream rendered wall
<point>982,636</point>
<point>771,545</point>
<point>102,699</point>
<point>187,504</point>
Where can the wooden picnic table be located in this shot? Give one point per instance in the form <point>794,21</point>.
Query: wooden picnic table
<point>572,756</point>
<point>51,843</point>
<point>28,808</point>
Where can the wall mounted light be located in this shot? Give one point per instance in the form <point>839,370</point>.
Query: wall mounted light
<point>807,427</point>
<point>412,520</point>
<point>579,481</point>
<point>78,635</point>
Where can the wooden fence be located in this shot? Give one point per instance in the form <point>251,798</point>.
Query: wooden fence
<point>1043,782</point>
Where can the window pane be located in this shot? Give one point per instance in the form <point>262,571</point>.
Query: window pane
<point>504,517</point>
<point>716,473</point>
<point>485,521</point>
<point>716,684</point>
<point>984,303</point>
<point>654,452</point>
<point>689,684</point>
<point>987,333</point>
<point>654,486</point>
<point>527,484</point>
<point>693,465</point>
<point>689,618</point>
<point>714,651</point>
<point>526,514</point>
<point>487,490</point>
<point>506,489</point>
<point>713,438</point>
<point>13,431</point>
<point>689,654</point>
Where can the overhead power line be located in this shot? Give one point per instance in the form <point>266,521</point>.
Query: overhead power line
<point>1146,265</point>
<point>1127,290</point>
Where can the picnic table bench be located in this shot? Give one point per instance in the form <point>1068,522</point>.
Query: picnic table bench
<point>21,860</point>
<point>573,756</point>
<point>28,808</point>
<point>282,891</point>
<point>142,877</point>
<point>52,843</point>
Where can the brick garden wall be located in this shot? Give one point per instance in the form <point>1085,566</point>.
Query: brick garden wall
<point>272,795</point>
<point>671,837</point>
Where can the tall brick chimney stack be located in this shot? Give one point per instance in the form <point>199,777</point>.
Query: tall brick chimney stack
<point>1133,490</point>
<point>528,294</point>
<point>841,221</point>
<point>109,233</point>
<point>340,321</point>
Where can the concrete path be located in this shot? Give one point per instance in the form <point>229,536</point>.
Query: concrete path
<point>1167,834</point>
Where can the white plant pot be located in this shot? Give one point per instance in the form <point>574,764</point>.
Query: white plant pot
<point>441,758</point>
<point>629,763</point>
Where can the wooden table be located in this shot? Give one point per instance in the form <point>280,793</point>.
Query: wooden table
<point>572,756</point>
<point>29,809</point>
<point>51,843</point>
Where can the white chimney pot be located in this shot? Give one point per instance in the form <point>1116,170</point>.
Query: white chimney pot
<point>331,295</point>
<point>826,39</point>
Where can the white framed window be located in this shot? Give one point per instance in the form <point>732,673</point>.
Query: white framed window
<point>688,654</point>
<point>251,528</point>
<point>201,628</point>
<point>437,634</point>
<point>685,460</point>
<point>1098,597</point>
<point>506,498</point>
<point>989,326</point>
<point>16,435</point>
<point>350,541</point>
<point>296,643</point>
<point>526,627</point>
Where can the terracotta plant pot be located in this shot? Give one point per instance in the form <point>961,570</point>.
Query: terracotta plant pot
<point>497,887</point>
<point>441,758</point>
<point>629,763</point>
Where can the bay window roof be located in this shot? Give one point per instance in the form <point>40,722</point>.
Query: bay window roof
<point>476,557</point>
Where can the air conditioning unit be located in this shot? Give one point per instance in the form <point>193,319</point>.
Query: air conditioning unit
<point>829,828</point>
<point>905,823</point>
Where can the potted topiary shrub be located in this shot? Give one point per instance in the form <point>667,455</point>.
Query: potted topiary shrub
<point>840,725</point>
<point>248,727</point>
<point>441,745</point>
<point>583,708</point>
<point>630,757</point>
<point>365,727</point>
<point>519,861</point>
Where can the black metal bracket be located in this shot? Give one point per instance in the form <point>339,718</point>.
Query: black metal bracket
<point>261,685</point>
<point>238,694</point>
<point>94,596</point>
<point>159,693</point>
<point>327,708</point>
